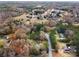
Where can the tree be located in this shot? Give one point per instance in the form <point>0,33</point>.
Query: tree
<point>76,42</point>
<point>34,35</point>
<point>18,44</point>
<point>51,23</point>
<point>38,27</point>
<point>53,39</point>
<point>5,28</point>
<point>20,33</point>
<point>69,34</point>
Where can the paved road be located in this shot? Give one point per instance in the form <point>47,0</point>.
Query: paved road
<point>49,43</point>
